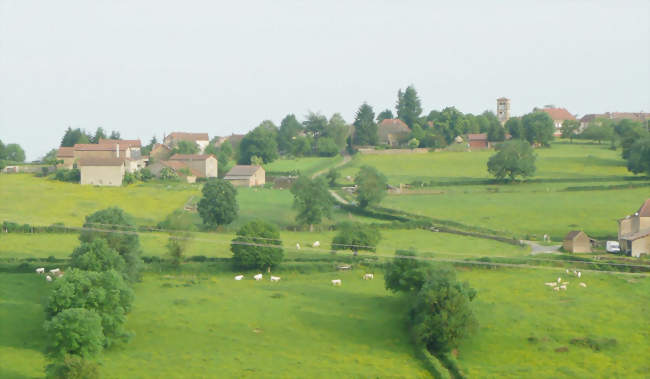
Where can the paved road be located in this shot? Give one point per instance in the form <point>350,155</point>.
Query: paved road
<point>541,249</point>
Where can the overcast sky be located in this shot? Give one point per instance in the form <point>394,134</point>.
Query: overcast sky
<point>147,67</point>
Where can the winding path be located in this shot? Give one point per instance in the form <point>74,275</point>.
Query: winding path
<point>541,249</point>
<point>346,159</point>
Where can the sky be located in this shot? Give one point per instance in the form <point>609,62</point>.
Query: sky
<point>151,67</point>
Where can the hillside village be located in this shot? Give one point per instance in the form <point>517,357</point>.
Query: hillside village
<point>324,189</point>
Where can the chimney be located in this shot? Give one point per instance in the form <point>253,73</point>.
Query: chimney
<point>117,150</point>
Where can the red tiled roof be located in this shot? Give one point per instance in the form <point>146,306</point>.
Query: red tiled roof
<point>644,211</point>
<point>394,125</point>
<point>97,147</point>
<point>101,162</point>
<point>477,137</point>
<point>65,152</point>
<point>558,114</point>
<point>190,157</point>
<point>126,142</point>
<point>182,136</point>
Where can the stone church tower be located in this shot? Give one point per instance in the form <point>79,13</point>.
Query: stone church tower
<point>503,109</point>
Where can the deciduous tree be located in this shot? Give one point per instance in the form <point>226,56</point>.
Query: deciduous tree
<point>97,256</point>
<point>260,142</point>
<point>312,200</point>
<point>257,245</point>
<point>514,158</point>
<point>218,206</point>
<point>371,186</point>
<point>638,160</point>
<point>355,236</point>
<point>75,331</point>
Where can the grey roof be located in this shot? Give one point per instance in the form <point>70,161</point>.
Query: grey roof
<point>100,162</point>
<point>242,171</point>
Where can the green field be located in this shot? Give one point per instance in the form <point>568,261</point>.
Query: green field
<point>16,245</point>
<point>307,166</point>
<point>193,326</point>
<point>561,161</point>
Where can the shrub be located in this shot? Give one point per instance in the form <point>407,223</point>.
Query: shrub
<point>72,367</point>
<point>96,256</point>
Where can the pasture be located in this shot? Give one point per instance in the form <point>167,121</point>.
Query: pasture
<point>306,165</point>
<point>217,245</point>
<point>211,325</point>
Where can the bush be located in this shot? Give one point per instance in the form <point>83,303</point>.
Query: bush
<point>327,147</point>
<point>96,256</point>
<point>72,367</point>
<point>65,175</point>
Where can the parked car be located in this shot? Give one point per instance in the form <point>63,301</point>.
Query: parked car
<point>613,247</point>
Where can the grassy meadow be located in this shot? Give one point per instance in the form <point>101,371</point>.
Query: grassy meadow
<point>307,165</point>
<point>217,245</point>
<point>209,324</point>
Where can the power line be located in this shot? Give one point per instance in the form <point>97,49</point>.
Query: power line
<point>433,259</point>
<point>134,230</point>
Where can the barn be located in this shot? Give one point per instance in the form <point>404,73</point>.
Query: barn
<point>577,242</point>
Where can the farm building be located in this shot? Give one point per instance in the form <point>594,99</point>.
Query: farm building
<point>65,154</point>
<point>160,152</point>
<point>205,165</point>
<point>558,115</point>
<point>102,171</point>
<point>11,169</point>
<point>478,141</point>
<point>246,176</point>
<point>392,132</point>
<point>577,242</point>
<point>179,168</point>
<point>634,232</point>
<point>200,139</point>
<point>641,117</point>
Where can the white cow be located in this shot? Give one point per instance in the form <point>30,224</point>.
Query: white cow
<point>551,284</point>
<point>275,278</point>
<point>298,246</point>
<point>567,270</point>
<point>336,282</point>
<point>579,274</point>
<point>239,277</point>
<point>556,288</point>
<point>583,285</point>
<point>316,244</point>
<point>48,278</point>
<point>258,277</point>
<point>563,287</point>
<point>368,277</point>
<point>559,280</point>
<point>40,270</point>
<point>55,271</point>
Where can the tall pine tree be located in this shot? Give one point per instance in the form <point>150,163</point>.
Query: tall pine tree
<point>408,106</point>
<point>365,128</point>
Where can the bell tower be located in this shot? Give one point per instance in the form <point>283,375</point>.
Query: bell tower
<point>503,109</point>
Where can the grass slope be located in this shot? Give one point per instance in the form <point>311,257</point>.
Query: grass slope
<point>307,166</point>
<point>522,322</point>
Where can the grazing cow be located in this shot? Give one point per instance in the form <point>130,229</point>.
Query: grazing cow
<point>258,277</point>
<point>336,282</point>
<point>567,270</point>
<point>368,277</point>
<point>583,285</point>
<point>40,270</point>
<point>239,277</point>
<point>551,284</point>
<point>556,288</point>
<point>298,246</point>
<point>55,271</point>
<point>48,278</point>
<point>559,280</point>
<point>275,278</point>
<point>563,287</point>
<point>316,244</point>
<point>579,274</point>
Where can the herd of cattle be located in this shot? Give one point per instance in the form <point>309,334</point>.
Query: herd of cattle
<point>560,285</point>
<point>54,273</point>
<point>335,282</point>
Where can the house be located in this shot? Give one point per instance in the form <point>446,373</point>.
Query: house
<point>478,141</point>
<point>65,154</point>
<point>180,168</point>
<point>634,232</point>
<point>577,242</point>
<point>558,115</point>
<point>136,160</point>
<point>102,171</point>
<point>246,176</point>
<point>392,132</point>
<point>200,139</point>
<point>160,152</point>
<point>204,164</point>
<point>616,116</point>
<point>234,139</point>
<point>11,169</point>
